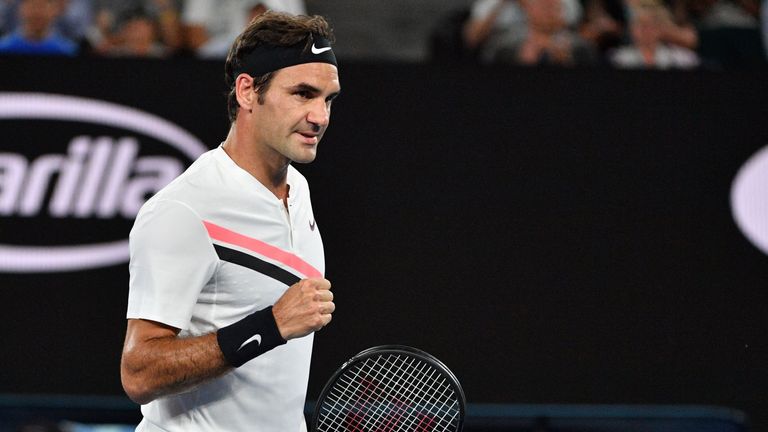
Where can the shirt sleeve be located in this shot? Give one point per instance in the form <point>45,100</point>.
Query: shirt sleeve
<point>171,260</point>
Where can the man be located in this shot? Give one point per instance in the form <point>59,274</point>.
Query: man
<point>220,325</point>
<point>649,49</point>
<point>547,41</point>
<point>210,26</point>
<point>36,33</point>
<point>491,22</point>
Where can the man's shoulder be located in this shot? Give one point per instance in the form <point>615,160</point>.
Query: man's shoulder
<point>10,41</point>
<point>62,44</point>
<point>198,182</point>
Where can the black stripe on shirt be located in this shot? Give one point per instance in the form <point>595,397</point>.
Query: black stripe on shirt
<point>256,264</point>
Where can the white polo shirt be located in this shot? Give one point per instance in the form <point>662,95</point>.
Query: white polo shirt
<point>210,248</point>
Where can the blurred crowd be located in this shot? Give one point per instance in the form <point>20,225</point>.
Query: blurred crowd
<point>649,34</point>
<point>657,34</point>
<point>138,28</point>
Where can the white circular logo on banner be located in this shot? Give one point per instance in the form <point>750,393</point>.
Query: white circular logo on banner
<point>41,106</point>
<point>749,199</point>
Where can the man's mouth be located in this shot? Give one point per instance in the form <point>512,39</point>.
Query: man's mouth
<point>309,137</point>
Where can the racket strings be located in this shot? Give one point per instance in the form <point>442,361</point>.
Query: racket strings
<point>363,393</point>
<point>415,379</point>
<point>397,393</point>
<point>390,393</point>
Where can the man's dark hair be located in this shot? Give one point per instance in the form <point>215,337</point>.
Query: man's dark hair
<point>269,28</point>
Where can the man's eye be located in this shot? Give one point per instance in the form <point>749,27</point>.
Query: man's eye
<point>304,94</point>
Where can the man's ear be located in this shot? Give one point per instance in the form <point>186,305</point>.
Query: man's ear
<point>244,91</point>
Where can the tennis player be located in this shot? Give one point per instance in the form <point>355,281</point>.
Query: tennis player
<point>226,269</point>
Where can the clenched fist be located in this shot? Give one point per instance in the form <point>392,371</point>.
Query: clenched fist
<point>305,307</point>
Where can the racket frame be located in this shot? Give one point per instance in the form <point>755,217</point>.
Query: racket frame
<point>389,350</point>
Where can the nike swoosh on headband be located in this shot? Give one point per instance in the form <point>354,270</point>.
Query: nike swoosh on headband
<point>316,50</point>
<point>268,58</point>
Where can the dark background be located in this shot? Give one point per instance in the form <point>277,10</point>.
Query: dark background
<point>554,236</point>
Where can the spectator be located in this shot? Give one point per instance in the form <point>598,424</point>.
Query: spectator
<point>211,25</point>
<point>724,13</point>
<point>76,18</point>
<point>604,24</point>
<point>648,48</point>
<point>138,37</point>
<point>73,22</point>
<point>115,19</point>
<point>547,41</point>
<point>36,33</point>
<point>730,34</point>
<point>492,21</point>
<point>675,30</point>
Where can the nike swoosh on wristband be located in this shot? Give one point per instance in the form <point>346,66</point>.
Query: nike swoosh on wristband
<point>316,50</point>
<point>256,337</point>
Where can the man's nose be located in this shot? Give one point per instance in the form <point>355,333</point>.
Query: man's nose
<point>319,113</point>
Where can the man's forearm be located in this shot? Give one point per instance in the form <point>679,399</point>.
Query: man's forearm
<point>166,365</point>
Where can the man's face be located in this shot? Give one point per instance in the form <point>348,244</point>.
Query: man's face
<point>296,110</point>
<point>545,15</point>
<point>37,16</point>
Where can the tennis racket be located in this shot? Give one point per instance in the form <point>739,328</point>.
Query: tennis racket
<point>391,388</point>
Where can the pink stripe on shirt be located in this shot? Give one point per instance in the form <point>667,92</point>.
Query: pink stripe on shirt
<point>274,253</point>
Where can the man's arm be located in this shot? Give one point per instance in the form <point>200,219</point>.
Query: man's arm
<point>156,362</point>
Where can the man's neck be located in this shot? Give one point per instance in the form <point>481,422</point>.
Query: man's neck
<point>35,35</point>
<point>264,165</point>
